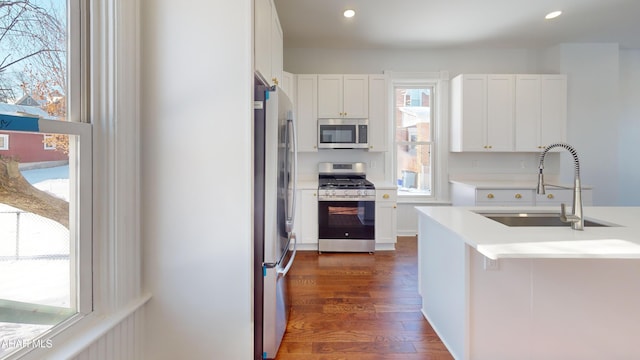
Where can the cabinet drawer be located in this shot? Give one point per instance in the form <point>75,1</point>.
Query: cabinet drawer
<point>487,196</point>
<point>386,195</point>
<point>555,196</point>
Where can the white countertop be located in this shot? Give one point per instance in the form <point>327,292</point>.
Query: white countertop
<point>510,184</point>
<point>495,240</point>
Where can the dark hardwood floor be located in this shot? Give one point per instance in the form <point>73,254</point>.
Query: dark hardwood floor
<point>358,307</point>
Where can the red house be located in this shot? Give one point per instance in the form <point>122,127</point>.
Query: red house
<point>23,146</point>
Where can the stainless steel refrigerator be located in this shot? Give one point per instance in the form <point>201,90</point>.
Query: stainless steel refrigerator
<point>275,177</point>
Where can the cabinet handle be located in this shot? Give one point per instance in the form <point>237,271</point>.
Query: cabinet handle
<point>550,196</point>
<point>385,196</point>
<point>488,146</point>
<point>489,196</point>
<point>518,196</point>
<point>275,81</point>
<point>394,206</point>
<point>370,146</point>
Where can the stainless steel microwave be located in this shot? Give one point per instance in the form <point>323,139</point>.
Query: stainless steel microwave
<point>343,133</point>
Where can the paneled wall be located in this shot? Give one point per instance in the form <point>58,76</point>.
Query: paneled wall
<point>124,342</point>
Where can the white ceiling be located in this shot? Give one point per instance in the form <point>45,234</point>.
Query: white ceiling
<point>440,24</point>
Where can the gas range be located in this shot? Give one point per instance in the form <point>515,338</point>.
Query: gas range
<point>344,182</point>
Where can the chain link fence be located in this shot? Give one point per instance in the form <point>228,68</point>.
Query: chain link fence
<point>27,236</point>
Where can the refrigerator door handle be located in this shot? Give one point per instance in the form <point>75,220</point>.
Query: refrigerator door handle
<point>294,150</point>
<point>284,271</point>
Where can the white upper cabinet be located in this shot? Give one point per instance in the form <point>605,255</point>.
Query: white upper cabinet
<point>268,42</point>
<point>499,124</point>
<point>482,112</point>
<point>507,112</point>
<point>378,124</point>
<point>288,85</point>
<point>468,112</point>
<point>541,111</point>
<point>343,96</point>
<point>307,112</point>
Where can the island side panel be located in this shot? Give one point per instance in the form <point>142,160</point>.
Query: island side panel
<point>586,308</point>
<point>443,283</point>
<point>554,309</point>
<point>499,309</point>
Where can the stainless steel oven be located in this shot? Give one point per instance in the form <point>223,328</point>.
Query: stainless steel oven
<point>346,209</point>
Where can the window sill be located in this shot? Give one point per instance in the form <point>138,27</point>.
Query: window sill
<point>77,337</point>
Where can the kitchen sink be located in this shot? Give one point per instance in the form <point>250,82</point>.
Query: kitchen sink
<point>536,219</point>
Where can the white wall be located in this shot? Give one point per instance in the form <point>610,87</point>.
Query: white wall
<point>603,104</point>
<point>629,129</point>
<point>197,86</point>
<point>593,114</point>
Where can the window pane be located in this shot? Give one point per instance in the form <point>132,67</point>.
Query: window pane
<point>414,169</point>
<point>37,263</point>
<point>38,225</point>
<point>413,120</point>
<point>413,114</point>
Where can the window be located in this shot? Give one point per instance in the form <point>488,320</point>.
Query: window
<point>45,240</point>
<point>413,119</point>
<point>49,141</point>
<point>4,142</point>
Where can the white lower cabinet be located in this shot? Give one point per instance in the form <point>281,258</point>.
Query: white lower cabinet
<point>306,221</point>
<point>469,195</point>
<point>553,197</point>
<point>386,221</point>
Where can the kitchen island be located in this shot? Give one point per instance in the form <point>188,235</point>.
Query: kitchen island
<point>493,291</point>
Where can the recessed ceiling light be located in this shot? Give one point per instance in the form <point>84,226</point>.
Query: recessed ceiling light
<point>349,13</point>
<point>553,14</point>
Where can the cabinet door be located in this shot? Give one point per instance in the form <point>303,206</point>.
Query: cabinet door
<point>330,96</point>
<point>307,112</point>
<point>262,38</point>
<point>528,113</point>
<point>378,124</point>
<point>277,48</point>
<point>554,109</point>
<point>500,102</point>
<point>468,112</point>
<point>355,102</point>
<point>386,217</point>
<point>307,221</point>
<point>288,85</point>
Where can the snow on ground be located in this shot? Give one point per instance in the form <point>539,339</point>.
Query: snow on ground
<point>29,279</point>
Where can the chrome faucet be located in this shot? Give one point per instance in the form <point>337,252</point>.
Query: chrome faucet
<point>575,218</point>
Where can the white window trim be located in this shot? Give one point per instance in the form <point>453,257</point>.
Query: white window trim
<point>113,58</point>
<point>440,131</point>
<point>5,143</point>
<point>45,144</point>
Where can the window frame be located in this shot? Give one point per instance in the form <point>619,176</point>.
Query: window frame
<point>430,142</point>
<point>81,198</point>
<point>5,143</point>
<point>439,81</point>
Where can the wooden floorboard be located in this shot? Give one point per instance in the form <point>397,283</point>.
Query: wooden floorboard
<point>349,306</point>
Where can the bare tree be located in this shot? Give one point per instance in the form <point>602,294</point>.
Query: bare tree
<point>32,45</point>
